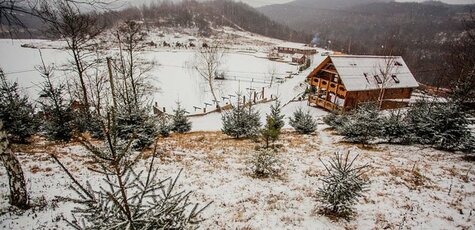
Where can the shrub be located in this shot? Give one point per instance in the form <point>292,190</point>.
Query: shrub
<point>342,186</point>
<point>58,114</point>
<point>16,112</point>
<point>442,125</point>
<point>164,126</point>
<point>241,121</point>
<point>395,128</point>
<point>302,122</point>
<point>181,124</point>
<point>137,125</point>
<point>265,163</point>
<point>335,121</point>
<point>364,125</point>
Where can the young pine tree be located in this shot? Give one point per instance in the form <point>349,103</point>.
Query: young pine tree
<point>181,124</point>
<point>342,186</point>
<point>16,112</point>
<point>275,114</point>
<point>137,125</point>
<point>164,126</point>
<point>241,121</point>
<point>303,122</point>
<point>58,115</point>
<point>270,132</point>
<point>364,125</point>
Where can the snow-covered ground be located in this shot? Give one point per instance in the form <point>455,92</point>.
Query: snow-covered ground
<point>245,66</point>
<point>411,187</point>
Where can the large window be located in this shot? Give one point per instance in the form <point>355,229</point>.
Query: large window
<point>395,78</point>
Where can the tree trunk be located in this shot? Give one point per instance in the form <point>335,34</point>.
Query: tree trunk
<point>16,179</point>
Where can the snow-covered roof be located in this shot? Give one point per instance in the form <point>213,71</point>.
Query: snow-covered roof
<point>293,45</point>
<point>360,73</point>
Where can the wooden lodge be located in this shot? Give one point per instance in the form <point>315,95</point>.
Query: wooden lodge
<point>295,48</point>
<point>341,82</point>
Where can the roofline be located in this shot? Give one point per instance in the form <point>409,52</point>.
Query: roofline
<point>361,56</point>
<point>407,87</point>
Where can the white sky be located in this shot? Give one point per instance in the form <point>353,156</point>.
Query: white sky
<point>257,3</point>
<point>268,2</point>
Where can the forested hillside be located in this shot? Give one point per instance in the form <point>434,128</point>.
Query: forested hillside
<point>421,32</point>
<point>186,14</point>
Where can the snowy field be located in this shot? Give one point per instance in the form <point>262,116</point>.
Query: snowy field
<point>411,187</point>
<point>244,63</point>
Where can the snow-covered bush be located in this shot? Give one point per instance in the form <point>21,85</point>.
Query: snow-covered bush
<point>241,121</point>
<point>303,122</point>
<point>342,186</point>
<point>88,122</point>
<point>181,124</point>
<point>58,122</point>
<point>335,121</point>
<point>137,125</point>
<point>164,126</point>
<point>364,125</point>
<point>442,125</point>
<point>395,128</point>
<point>265,163</point>
<point>16,111</point>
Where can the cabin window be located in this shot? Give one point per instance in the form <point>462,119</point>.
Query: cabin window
<point>395,78</point>
<point>332,85</point>
<point>342,88</point>
<point>366,76</point>
<point>335,78</point>
<point>396,63</point>
<point>324,82</point>
<point>378,79</point>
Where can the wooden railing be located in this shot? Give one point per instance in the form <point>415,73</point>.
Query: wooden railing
<point>315,101</point>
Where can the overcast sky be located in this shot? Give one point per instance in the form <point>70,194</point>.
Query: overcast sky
<point>268,2</point>
<point>257,3</point>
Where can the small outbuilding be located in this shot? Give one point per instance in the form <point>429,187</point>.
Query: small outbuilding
<point>299,58</point>
<point>341,82</point>
<point>293,48</point>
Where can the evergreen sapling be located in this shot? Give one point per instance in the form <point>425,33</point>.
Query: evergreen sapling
<point>303,122</point>
<point>16,112</point>
<point>181,124</point>
<point>241,121</point>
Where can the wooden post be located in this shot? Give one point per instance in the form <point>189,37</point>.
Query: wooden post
<point>263,88</point>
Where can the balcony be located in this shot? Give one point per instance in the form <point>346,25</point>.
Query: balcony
<point>341,91</point>
<point>333,87</point>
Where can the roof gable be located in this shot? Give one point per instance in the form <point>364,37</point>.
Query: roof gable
<point>359,73</point>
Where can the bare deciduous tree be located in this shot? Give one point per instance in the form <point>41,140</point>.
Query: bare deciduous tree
<point>132,89</point>
<point>207,62</point>
<point>78,31</point>
<point>384,78</point>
